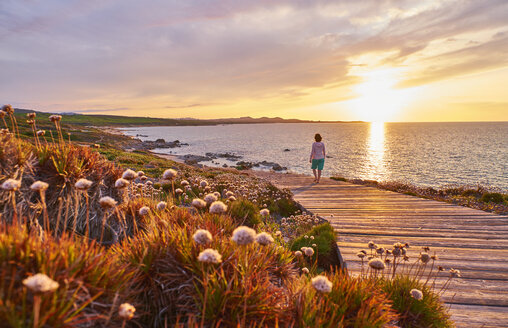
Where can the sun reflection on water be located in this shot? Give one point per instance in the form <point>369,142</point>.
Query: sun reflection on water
<point>376,150</point>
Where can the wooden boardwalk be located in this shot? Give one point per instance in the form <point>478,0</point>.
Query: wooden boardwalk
<point>473,241</point>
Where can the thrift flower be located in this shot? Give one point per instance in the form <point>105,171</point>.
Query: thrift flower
<point>243,235</point>
<point>107,202</point>
<point>11,185</point>
<point>377,264</point>
<point>218,207</point>
<point>264,238</point>
<point>416,294</point>
<point>40,283</point>
<point>322,284</point>
<point>210,256</point>
<point>126,311</point>
<point>39,186</point>
<point>202,237</point>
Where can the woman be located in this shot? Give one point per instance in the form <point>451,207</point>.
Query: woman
<point>317,157</point>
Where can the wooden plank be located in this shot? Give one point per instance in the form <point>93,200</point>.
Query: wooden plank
<point>470,240</point>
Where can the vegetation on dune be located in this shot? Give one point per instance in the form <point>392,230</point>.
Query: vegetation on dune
<point>479,197</point>
<point>85,243</point>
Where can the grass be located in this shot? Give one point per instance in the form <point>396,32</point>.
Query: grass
<point>149,257</point>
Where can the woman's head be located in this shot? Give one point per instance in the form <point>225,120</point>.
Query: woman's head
<point>317,137</point>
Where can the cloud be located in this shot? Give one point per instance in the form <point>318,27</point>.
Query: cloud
<point>127,53</point>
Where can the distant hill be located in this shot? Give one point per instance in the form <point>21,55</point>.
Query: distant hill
<point>114,120</point>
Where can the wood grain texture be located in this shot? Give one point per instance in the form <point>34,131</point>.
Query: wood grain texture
<point>470,240</point>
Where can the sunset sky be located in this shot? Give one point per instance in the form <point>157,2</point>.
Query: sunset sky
<point>374,60</point>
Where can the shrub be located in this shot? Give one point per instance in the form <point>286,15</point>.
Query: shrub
<point>324,238</point>
<point>284,207</point>
<point>89,277</point>
<point>352,302</point>
<point>492,197</point>
<point>339,179</point>
<point>427,312</point>
<point>245,212</point>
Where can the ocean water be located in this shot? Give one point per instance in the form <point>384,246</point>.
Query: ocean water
<point>425,154</point>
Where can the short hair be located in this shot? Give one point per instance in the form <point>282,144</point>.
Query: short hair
<point>317,137</point>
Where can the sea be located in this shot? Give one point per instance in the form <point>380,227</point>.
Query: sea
<point>424,154</point>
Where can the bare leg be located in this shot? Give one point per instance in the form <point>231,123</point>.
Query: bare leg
<point>315,175</point>
<point>319,176</point>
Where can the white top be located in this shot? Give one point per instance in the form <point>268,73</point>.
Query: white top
<point>318,150</point>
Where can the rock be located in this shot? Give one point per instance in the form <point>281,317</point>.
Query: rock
<point>225,165</point>
<point>287,149</point>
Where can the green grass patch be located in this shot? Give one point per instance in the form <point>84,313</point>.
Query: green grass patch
<point>324,237</point>
<point>245,212</point>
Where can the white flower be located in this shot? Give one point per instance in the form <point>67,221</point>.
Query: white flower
<point>264,212</point>
<point>298,254</point>
<point>184,183</point>
<point>416,294</point>
<point>161,206</point>
<point>229,194</point>
<point>322,284</point>
<point>55,118</point>
<point>121,183</point>
<point>424,257</point>
<point>305,270</point>
<point>243,235</point>
<point>309,251</point>
<point>141,173</point>
<point>39,186</point>
<point>129,174</point>
<point>218,207</point>
<point>178,191</point>
<point>202,237</point>
<point>210,198</point>
<point>210,256</point>
<point>144,211</point>
<point>107,202</point>
<point>169,174</point>
<point>231,198</point>
<point>377,264</point>
<point>198,203</point>
<point>264,238</point>
<point>40,283</point>
<point>126,311</point>
<point>203,183</point>
<point>11,185</point>
<point>83,184</point>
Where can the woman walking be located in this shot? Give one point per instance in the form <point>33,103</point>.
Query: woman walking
<point>317,157</point>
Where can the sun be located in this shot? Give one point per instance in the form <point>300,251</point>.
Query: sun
<point>378,100</point>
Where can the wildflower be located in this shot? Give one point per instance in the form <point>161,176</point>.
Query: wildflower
<point>141,173</point>
<point>298,254</point>
<point>218,207</point>
<point>126,311</point>
<point>309,251</point>
<point>178,191</point>
<point>454,273</point>
<point>434,257</point>
<point>210,256</point>
<point>143,178</point>
<point>231,198</point>
<point>41,133</point>
<point>210,198</point>
<point>83,184</point>
<point>396,251</point>
<point>305,270</point>
<point>306,237</point>
<point>184,183</point>
<point>371,244</point>
<point>169,174</point>
<point>229,194</point>
<point>440,268</point>
<point>314,245</point>
<point>8,109</point>
<point>264,212</point>
<point>40,283</point>
<point>161,206</point>
<point>55,118</point>
<point>380,250</point>
<point>416,294</point>
<point>360,255</point>
<point>202,237</point>
<point>30,115</point>
<point>129,174</point>
<point>11,185</point>
<point>198,203</point>
<point>203,184</point>
<point>121,183</point>
<point>264,238</point>
<point>144,211</point>
<point>424,257</point>
<point>311,237</point>
<point>322,284</point>
<point>39,186</point>
<point>278,233</point>
<point>107,202</point>
<point>377,264</point>
<point>243,235</point>
<point>217,194</point>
